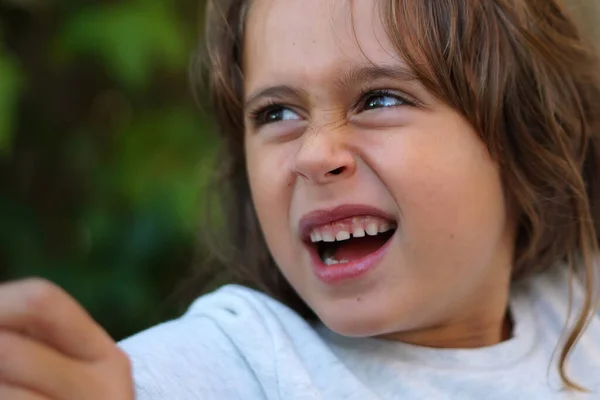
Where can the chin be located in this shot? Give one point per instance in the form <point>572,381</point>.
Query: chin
<point>358,321</point>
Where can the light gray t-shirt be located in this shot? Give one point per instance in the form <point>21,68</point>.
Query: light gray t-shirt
<point>236,343</point>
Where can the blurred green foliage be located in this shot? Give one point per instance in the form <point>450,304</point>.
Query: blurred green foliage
<point>104,156</point>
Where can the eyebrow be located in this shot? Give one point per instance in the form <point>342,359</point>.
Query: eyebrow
<point>355,76</point>
<point>351,77</point>
<point>276,92</point>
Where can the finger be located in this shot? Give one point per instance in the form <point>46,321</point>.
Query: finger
<point>31,365</point>
<point>44,311</point>
<point>14,393</point>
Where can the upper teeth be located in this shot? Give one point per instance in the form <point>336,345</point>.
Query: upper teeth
<point>357,227</point>
<point>342,235</point>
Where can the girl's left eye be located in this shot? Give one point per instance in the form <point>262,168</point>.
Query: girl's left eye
<point>382,100</point>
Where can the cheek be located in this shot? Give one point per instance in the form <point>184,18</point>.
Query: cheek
<point>270,184</point>
<point>449,192</point>
<point>268,174</point>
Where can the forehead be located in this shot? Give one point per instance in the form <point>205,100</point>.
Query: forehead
<point>305,39</point>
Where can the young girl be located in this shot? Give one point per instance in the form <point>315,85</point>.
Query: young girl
<point>412,187</point>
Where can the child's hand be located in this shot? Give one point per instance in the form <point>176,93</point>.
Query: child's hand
<point>51,349</point>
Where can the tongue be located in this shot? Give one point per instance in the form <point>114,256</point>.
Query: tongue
<point>357,248</point>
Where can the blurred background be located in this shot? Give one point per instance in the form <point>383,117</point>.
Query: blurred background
<point>104,155</point>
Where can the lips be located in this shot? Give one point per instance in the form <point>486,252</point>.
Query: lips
<point>346,242</point>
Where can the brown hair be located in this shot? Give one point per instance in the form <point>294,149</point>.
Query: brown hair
<point>520,73</point>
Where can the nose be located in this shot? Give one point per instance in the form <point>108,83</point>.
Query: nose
<point>324,157</point>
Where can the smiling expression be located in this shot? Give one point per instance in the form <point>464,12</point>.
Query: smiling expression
<point>358,173</point>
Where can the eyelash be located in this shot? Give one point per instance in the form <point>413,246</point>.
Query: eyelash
<point>258,116</point>
<point>367,94</point>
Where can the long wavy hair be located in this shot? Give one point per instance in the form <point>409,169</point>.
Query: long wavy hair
<point>518,70</point>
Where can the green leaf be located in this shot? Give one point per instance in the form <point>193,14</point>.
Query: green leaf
<point>163,159</point>
<point>132,39</point>
<point>10,89</point>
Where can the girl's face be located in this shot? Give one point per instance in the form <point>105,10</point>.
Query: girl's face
<point>342,143</point>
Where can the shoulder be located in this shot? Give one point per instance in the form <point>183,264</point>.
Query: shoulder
<point>212,350</point>
<point>557,296</point>
<point>558,288</point>
<point>210,317</point>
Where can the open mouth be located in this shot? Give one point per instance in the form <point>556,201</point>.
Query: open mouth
<point>351,239</point>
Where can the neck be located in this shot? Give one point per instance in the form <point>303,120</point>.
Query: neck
<point>481,320</point>
<point>459,335</point>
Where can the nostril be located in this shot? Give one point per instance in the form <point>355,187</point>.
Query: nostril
<point>337,171</point>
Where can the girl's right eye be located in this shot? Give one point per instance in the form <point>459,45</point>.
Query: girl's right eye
<point>274,114</point>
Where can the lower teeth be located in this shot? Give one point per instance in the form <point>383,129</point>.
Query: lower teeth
<point>333,261</point>
<point>328,256</point>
